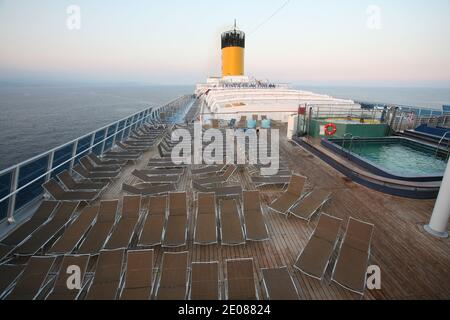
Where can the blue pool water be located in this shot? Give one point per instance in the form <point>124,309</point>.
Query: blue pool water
<point>402,157</point>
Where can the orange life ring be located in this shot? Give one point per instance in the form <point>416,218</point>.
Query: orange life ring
<point>333,130</point>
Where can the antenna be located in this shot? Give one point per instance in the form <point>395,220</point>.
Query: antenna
<point>235,24</point>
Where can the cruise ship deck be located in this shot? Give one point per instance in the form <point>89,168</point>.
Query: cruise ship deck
<point>413,264</point>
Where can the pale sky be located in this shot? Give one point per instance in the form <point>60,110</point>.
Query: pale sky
<point>178,41</point>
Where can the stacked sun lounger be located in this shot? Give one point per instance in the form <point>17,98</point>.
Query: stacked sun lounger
<point>291,196</point>
<point>153,226</point>
<point>175,233</point>
<point>240,284</point>
<point>214,179</point>
<point>261,178</point>
<point>124,230</point>
<point>206,219</point>
<point>172,284</point>
<point>278,284</point>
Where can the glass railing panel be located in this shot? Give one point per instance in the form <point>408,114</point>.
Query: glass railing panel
<point>61,156</point>
<point>83,145</point>
<point>111,130</point>
<point>110,135</point>
<point>119,130</point>
<point>109,144</point>
<point>28,173</point>
<point>99,137</point>
<point>5,188</point>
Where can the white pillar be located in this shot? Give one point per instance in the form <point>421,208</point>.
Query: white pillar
<point>439,221</point>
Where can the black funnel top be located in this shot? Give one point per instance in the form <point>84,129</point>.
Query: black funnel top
<point>233,38</point>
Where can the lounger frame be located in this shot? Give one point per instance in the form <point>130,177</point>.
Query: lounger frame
<point>226,278</point>
<point>157,283</point>
<point>264,285</point>
<point>219,294</point>
<point>329,260</point>
<point>318,209</point>
<point>216,219</point>
<point>219,212</point>
<point>368,256</point>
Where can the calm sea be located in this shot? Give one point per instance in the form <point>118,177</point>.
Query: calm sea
<point>37,118</point>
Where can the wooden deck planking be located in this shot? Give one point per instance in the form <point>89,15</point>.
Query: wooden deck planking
<point>413,264</point>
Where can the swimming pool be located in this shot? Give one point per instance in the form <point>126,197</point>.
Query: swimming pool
<point>393,157</point>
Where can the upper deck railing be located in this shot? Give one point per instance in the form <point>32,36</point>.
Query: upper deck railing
<point>21,184</point>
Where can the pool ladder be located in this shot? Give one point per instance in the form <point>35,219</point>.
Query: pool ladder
<point>448,145</point>
<point>351,140</point>
<point>343,142</point>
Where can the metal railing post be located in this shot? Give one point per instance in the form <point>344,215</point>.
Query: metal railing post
<point>115,134</point>
<point>92,142</point>
<point>12,199</point>
<point>74,154</point>
<point>50,158</point>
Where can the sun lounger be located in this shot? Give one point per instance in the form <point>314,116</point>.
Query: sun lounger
<point>153,227</point>
<point>103,162</point>
<point>315,257</point>
<point>225,191</point>
<point>279,285</point>
<point>142,138</point>
<point>311,204</point>
<point>260,181</point>
<point>208,170</point>
<point>5,250</point>
<point>205,281</point>
<point>96,237</point>
<point>206,221</point>
<point>44,234</point>
<point>57,192</point>
<point>124,230</point>
<point>240,280</point>
<point>255,227</point>
<point>9,274</point>
<point>40,217</point>
<point>350,270</point>
<point>230,223</point>
<point>291,196</point>
<point>242,123</point>
<point>165,164</point>
<point>75,232</point>
<point>60,290</point>
<point>138,275</point>
<point>87,164</point>
<point>105,284</point>
<point>125,147</point>
<point>173,282</point>
<point>145,189</point>
<point>121,156</point>
<point>85,185</point>
<point>94,175</point>
<point>140,144</point>
<point>155,179</point>
<point>218,178</point>
<point>163,172</point>
<point>176,227</point>
<point>32,279</point>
